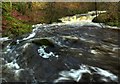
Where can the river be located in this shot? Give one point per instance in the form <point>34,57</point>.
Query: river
<point>72,51</point>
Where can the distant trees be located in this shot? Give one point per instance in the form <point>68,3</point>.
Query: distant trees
<point>49,12</point>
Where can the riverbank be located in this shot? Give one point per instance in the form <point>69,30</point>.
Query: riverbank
<point>18,18</point>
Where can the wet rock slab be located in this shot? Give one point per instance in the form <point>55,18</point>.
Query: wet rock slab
<point>63,53</point>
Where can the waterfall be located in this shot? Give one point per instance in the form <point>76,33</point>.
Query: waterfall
<point>88,17</point>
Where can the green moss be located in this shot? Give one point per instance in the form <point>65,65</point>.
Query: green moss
<point>7,7</point>
<point>114,24</point>
<point>108,19</point>
<point>16,27</point>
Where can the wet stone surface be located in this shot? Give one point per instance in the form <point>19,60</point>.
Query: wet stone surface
<point>63,53</point>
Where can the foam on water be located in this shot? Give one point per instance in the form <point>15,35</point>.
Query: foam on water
<point>8,49</point>
<point>73,74</point>
<point>46,25</point>
<point>83,23</point>
<point>44,54</point>
<point>70,37</point>
<point>83,39</point>
<point>93,51</point>
<point>17,73</point>
<point>4,39</point>
<point>18,41</point>
<point>14,68</point>
<point>116,48</point>
<point>76,75</point>
<point>76,20</point>
<point>37,25</point>
<point>82,19</point>
<point>26,45</point>
<point>111,27</point>
<point>105,73</point>
<point>33,31</point>
<point>13,65</point>
<point>85,20</point>
<point>98,12</point>
<point>30,36</point>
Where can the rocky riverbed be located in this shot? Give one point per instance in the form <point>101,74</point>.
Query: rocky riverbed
<point>62,52</point>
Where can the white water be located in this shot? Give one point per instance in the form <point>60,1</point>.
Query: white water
<point>85,20</point>
<point>30,36</point>
<point>12,65</point>
<point>98,12</point>
<point>34,31</point>
<point>82,19</point>
<point>73,74</point>
<point>105,73</point>
<point>93,51</point>
<point>4,39</point>
<point>26,45</point>
<point>70,37</point>
<point>44,54</point>
<point>14,68</point>
<point>17,73</point>
<point>8,50</point>
<point>76,75</point>
<point>76,20</point>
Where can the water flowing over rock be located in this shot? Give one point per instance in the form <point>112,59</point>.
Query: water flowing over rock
<point>60,52</point>
<point>85,20</point>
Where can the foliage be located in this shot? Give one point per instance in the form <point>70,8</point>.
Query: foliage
<point>112,15</point>
<point>11,26</point>
<point>19,16</point>
<point>15,27</point>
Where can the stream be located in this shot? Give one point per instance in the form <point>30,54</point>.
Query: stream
<point>72,51</point>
